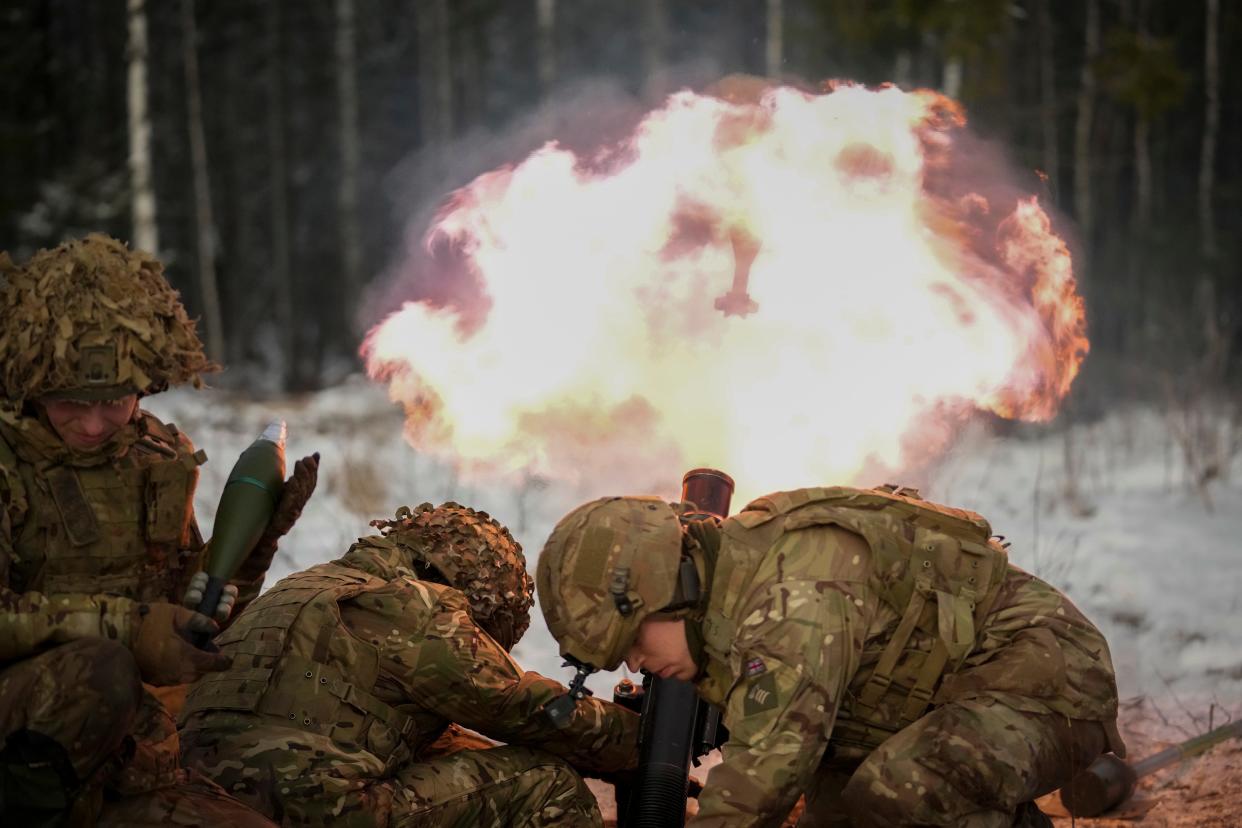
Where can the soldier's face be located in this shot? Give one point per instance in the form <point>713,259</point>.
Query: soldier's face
<point>88,424</point>
<point>660,648</point>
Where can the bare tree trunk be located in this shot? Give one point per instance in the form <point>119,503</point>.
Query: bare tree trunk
<point>1211,129</point>
<point>278,180</point>
<point>775,47</point>
<point>1082,129</point>
<point>347,195</point>
<point>436,88</point>
<point>1142,145</point>
<point>545,18</point>
<point>1217,340</point>
<point>1142,175</point>
<point>1048,95</point>
<point>903,69</point>
<point>205,223</point>
<point>471,71</point>
<point>951,80</point>
<point>145,227</point>
<point>655,47</point>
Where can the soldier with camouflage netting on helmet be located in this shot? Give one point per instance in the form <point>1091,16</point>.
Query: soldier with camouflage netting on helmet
<point>869,649</point>
<point>98,542</point>
<point>346,675</point>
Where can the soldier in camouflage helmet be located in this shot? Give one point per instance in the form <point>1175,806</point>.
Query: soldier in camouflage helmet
<point>871,650</point>
<point>345,675</point>
<point>98,542</point>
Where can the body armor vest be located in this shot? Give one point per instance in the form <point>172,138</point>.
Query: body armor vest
<point>122,526</point>
<point>936,567</point>
<point>296,664</point>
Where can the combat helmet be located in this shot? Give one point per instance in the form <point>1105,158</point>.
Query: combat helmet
<point>92,319</point>
<point>607,566</point>
<point>474,553</point>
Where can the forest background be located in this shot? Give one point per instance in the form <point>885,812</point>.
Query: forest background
<point>278,154</point>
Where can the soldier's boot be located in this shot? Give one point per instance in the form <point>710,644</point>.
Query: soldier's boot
<point>1029,816</point>
<point>38,786</point>
<point>64,719</point>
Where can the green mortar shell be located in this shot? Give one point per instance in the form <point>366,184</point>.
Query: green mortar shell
<point>248,501</point>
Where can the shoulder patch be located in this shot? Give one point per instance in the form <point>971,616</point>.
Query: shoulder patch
<point>761,696</point>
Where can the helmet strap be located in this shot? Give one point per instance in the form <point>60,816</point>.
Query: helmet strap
<point>688,580</point>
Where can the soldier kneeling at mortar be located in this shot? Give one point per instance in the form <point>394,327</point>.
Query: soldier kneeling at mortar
<point>345,675</point>
<point>871,650</point>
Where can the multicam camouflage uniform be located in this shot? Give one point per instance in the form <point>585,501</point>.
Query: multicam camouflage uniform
<point>345,674</point>
<point>870,649</point>
<point>85,537</point>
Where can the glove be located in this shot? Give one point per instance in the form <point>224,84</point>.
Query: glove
<point>162,648</point>
<point>297,490</point>
<point>194,597</point>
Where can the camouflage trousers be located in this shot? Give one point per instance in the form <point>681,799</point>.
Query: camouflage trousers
<point>83,740</point>
<point>282,772</point>
<point>975,764</point>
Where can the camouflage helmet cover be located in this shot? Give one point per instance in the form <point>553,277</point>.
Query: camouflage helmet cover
<point>473,553</point>
<point>607,566</point>
<point>95,320</point>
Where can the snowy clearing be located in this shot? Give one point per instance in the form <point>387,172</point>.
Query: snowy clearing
<point>1116,528</point>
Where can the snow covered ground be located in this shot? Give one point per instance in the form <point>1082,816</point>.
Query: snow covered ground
<point>1116,527</point>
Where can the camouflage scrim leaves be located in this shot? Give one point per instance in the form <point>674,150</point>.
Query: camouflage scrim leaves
<point>473,553</point>
<point>94,318</point>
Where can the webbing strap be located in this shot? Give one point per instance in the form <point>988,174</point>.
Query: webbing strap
<point>882,677</point>
<point>295,669</point>
<point>921,693</point>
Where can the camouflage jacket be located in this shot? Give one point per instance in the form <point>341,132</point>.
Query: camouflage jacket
<point>369,664</point>
<point>798,619</point>
<point>83,537</point>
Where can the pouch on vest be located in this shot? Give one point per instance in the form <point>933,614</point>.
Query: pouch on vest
<point>76,513</point>
<point>170,498</point>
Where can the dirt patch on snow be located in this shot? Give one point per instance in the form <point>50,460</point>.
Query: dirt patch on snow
<point>1201,791</point>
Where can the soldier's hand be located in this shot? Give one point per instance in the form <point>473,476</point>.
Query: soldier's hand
<point>297,490</point>
<point>162,648</point>
<point>194,597</point>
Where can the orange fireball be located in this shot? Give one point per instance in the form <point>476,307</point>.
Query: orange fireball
<point>797,288</point>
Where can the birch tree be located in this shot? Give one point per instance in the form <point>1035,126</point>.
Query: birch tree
<point>654,30</point>
<point>143,214</point>
<point>545,55</point>
<point>774,50</point>
<point>204,220</point>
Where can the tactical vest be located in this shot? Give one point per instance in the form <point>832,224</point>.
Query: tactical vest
<point>122,527</point>
<point>298,666</point>
<point>936,566</point>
